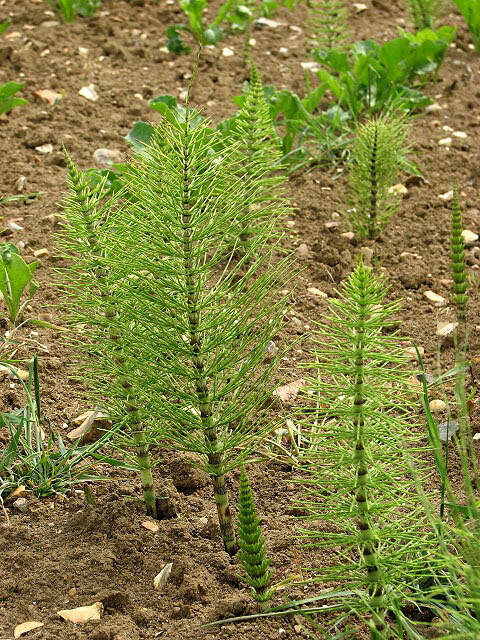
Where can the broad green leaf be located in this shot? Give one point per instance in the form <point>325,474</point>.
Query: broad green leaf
<point>139,136</point>
<point>168,106</point>
<point>174,40</point>
<point>212,34</point>
<point>7,99</point>
<point>15,275</point>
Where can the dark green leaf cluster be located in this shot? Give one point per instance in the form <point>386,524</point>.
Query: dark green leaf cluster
<point>359,488</point>
<point>328,24</point>
<point>373,78</point>
<point>252,543</point>
<point>459,272</point>
<point>375,161</point>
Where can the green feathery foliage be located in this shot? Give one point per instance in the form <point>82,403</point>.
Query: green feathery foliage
<point>459,272</point>
<point>259,152</point>
<point>377,154</point>
<point>360,490</point>
<point>195,321</point>
<point>424,13</point>
<point>253,557</point>
<point>94,305</point>
<point>328,25</point>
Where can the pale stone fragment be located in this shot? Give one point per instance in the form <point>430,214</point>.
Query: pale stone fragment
<point>445,142</point>
<point>316,292</point>
<point>447,196</point>
<point>434,298</point>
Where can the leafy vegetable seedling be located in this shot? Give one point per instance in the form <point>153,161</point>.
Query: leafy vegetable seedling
<point>15,276</point>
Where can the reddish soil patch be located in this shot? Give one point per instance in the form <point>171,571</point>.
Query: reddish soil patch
<point>63,553</point>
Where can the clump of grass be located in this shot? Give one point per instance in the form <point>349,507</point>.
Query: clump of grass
<point>373,168</point>
<point>36,457</point>
<point>253,557</point>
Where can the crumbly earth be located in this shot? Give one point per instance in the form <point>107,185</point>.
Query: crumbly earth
<point>64,553</point>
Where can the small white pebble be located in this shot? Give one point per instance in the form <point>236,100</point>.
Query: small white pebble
<point>445,142</point>
<point>447,196</point>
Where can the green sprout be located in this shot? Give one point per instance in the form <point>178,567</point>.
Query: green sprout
<point>258,145</point>
<point>328,24</point>
<point>15,276</point>
<point>459,272</point>
<point>252,554</point>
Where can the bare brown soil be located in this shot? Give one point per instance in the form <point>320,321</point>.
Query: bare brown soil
<point>63,553</point>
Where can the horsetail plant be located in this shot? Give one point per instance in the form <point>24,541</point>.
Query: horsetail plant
<point>424,13</point>
<point>197,320</point>
<point>378,152</point>
<point>459,272</point>
<point>253,557</point>
<point>328,25</point>
<point>95,306</point>
<point>359,487</point>
<point>258,155</point>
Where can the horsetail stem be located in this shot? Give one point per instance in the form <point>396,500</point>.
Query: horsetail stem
<point>82,192</point>
<point>370,546</point>
<point>203,396</point>
<point>252,544</point>
<point>459,272</point>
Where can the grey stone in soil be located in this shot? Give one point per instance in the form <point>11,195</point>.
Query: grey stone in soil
<point>429,379</point>
<point>451,426</point>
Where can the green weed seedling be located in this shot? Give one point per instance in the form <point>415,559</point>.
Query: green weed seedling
<point>15,276</point>
<point>40,461</point>
<point>90,292</point>
<point>232,16</point>
<point>358,484</point>
<point>253,557</point>
<point>192,322</point>
<point>470,10</point>
<point>253,131</point>
<point>69,9</point>
<point>374,164</point>
<point>371,79</point>
<point>8,99</point>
